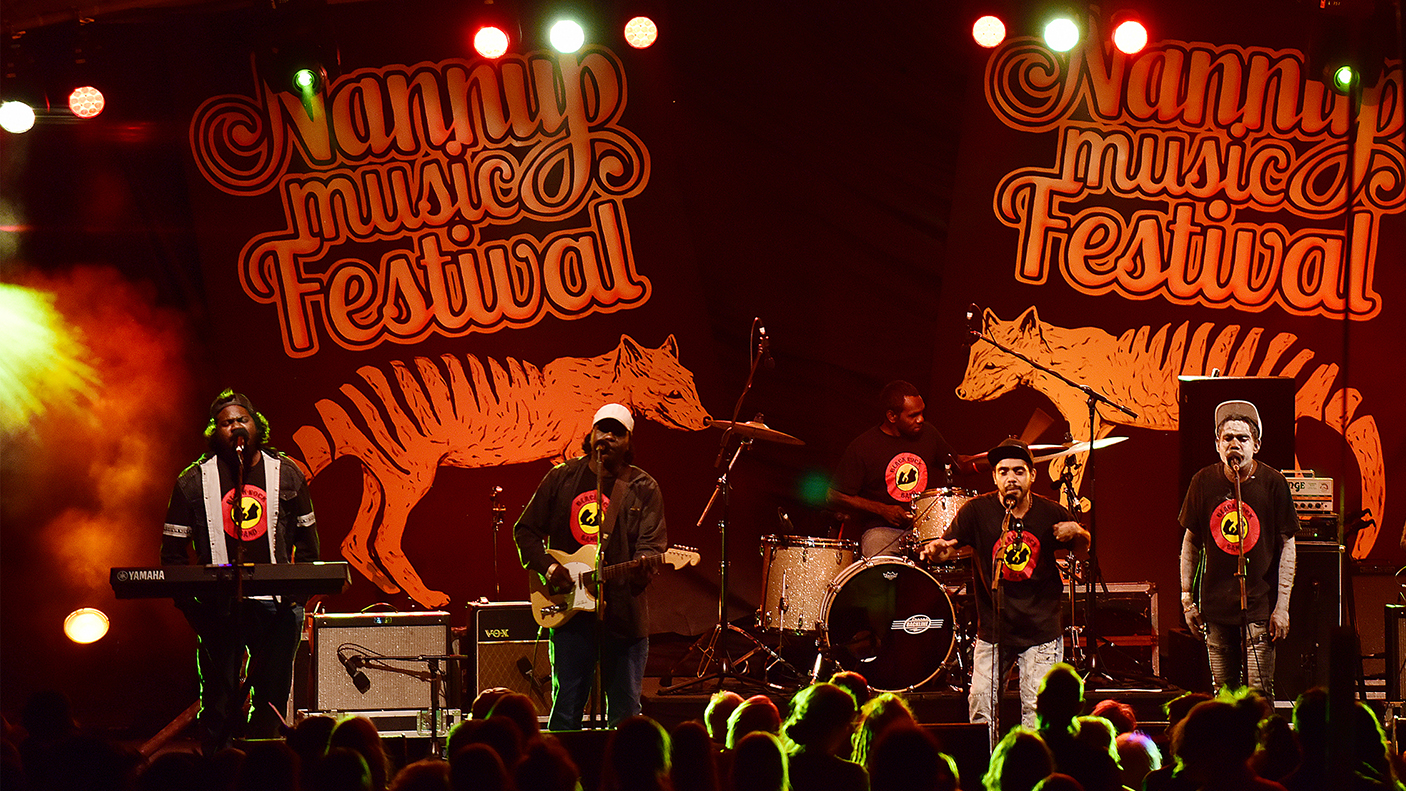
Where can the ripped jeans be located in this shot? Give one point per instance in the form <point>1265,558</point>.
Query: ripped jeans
<point>1224,653</point>
<point>1034,662</point>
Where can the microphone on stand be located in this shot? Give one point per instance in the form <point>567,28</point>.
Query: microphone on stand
<point>1234,459</point>
<point>973,324</point>
<point>352,664</point>
<point>764,345</point>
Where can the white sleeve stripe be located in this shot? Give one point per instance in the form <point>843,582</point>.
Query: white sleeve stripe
<point>176,531</point>
<point>309,518</point>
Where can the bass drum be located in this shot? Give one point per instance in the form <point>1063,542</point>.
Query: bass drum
<point>891,622</point>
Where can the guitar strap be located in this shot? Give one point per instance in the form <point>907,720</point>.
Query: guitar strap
<point>612,511</point>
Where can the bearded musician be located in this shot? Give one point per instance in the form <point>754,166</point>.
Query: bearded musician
<point>1014,534</point>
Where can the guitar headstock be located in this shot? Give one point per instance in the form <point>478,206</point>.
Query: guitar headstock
<point>680,556</point>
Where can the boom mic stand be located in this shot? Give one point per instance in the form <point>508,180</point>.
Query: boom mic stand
<point>711,645</point>
<point>1094,398</point>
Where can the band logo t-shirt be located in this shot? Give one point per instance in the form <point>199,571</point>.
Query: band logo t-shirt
<point>254,526</point>
<point>1208,513</point>
<point>892,470</point>
<point>586,518</point>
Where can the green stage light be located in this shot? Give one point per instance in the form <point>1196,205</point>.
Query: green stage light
<point>305,80</point>
<point>1344,77</point>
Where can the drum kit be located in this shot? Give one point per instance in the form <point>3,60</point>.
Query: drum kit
<point>899,623</point>
<point>886,617</point>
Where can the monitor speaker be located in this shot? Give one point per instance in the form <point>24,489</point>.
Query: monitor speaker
<point>1301,660</point>
<point>394,684</point>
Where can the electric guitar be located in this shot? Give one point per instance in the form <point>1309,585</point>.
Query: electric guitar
<point>552,608</point>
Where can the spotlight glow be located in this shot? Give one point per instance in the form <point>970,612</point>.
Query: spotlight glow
<point>86,102</point>
<point>490,42</point>
<point>1061,35</point>
<point>989,31</point>
<point>85,625</point>
<point>16,117</point>
<point>1130,37</point>
<point>1343,78</point>
<point>567,36</point>
<point>640,32</point>
<point>305,80</point>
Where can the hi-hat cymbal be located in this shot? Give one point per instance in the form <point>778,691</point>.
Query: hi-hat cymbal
<point>1079,447</point>
<point>756,430</point>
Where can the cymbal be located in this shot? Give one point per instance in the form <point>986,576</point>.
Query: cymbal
<point>1080,447</point>
<point>1034,449</point>
<point>753,429</point>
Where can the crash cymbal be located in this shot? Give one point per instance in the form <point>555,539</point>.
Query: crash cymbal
<point>1079,447</point>
<point>981,457</point>
<point>756,430</point>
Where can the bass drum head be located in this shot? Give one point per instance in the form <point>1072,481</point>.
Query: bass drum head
<point>891,622</point>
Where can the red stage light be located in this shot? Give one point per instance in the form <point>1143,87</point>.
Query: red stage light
<point>989,31</point>
<point>1130,36</point>
<point>490,42</point>
<point>640,32</point>
<point>86,102</point>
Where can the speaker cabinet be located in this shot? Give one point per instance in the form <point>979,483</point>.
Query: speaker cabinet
<point>1125,622</point>
<point>1301,660</point>
<point>398,685</point>
<point>1395,650</point>
<point>507,653</point>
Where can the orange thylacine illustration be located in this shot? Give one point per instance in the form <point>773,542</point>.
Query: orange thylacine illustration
<point>447,414</point>
<point>1140,368</point>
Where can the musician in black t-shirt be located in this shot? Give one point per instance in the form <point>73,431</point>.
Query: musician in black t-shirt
<point>887,466</point>
<point>1213,540</point>
<point>270,521</point>
<point>1016,531</point>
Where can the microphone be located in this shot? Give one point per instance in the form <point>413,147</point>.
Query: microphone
<point>786,520</point>
<point>1234,459</point>
<point>764,345</point>
<point>352,664</point>
<point>524,668</point>
<point>1009,500</point>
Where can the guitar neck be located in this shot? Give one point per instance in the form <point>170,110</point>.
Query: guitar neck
<point>611,572</point>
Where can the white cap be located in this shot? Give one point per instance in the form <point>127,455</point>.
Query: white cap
<point>617,413</point>
<point>1227,408</point>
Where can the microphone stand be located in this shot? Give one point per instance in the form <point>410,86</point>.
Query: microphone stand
<point>496,509</point>
<point>598,716</point>
<point>710,645</point>
<point>432,675</point>
<point>998,606</point>
<point>1094,398</point>
<point>1241,574</point>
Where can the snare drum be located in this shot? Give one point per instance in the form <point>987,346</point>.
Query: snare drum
<point>891,622</point>
<point>934,510</point>
<point>796,573</point>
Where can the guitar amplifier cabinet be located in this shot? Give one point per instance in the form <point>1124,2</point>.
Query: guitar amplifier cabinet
<point>1125,617</point>
<point>395,685</point>
<point>506,652</point>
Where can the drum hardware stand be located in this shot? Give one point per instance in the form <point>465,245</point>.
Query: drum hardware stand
<point>1095,667</point>
<point>710,646</point>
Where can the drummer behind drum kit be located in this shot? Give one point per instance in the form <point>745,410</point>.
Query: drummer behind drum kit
<point>885,617</point>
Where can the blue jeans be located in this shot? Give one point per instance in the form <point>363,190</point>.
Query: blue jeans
<point>1224,653</point>
<point>574,652</point>
<point>1035,661</point>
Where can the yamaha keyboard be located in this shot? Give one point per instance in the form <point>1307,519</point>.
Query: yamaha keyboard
<point>259,579</point>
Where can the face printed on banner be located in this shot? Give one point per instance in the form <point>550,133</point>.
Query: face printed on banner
<point>906,476</point>
<point>1230,531</point>
<point>586,518</point>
